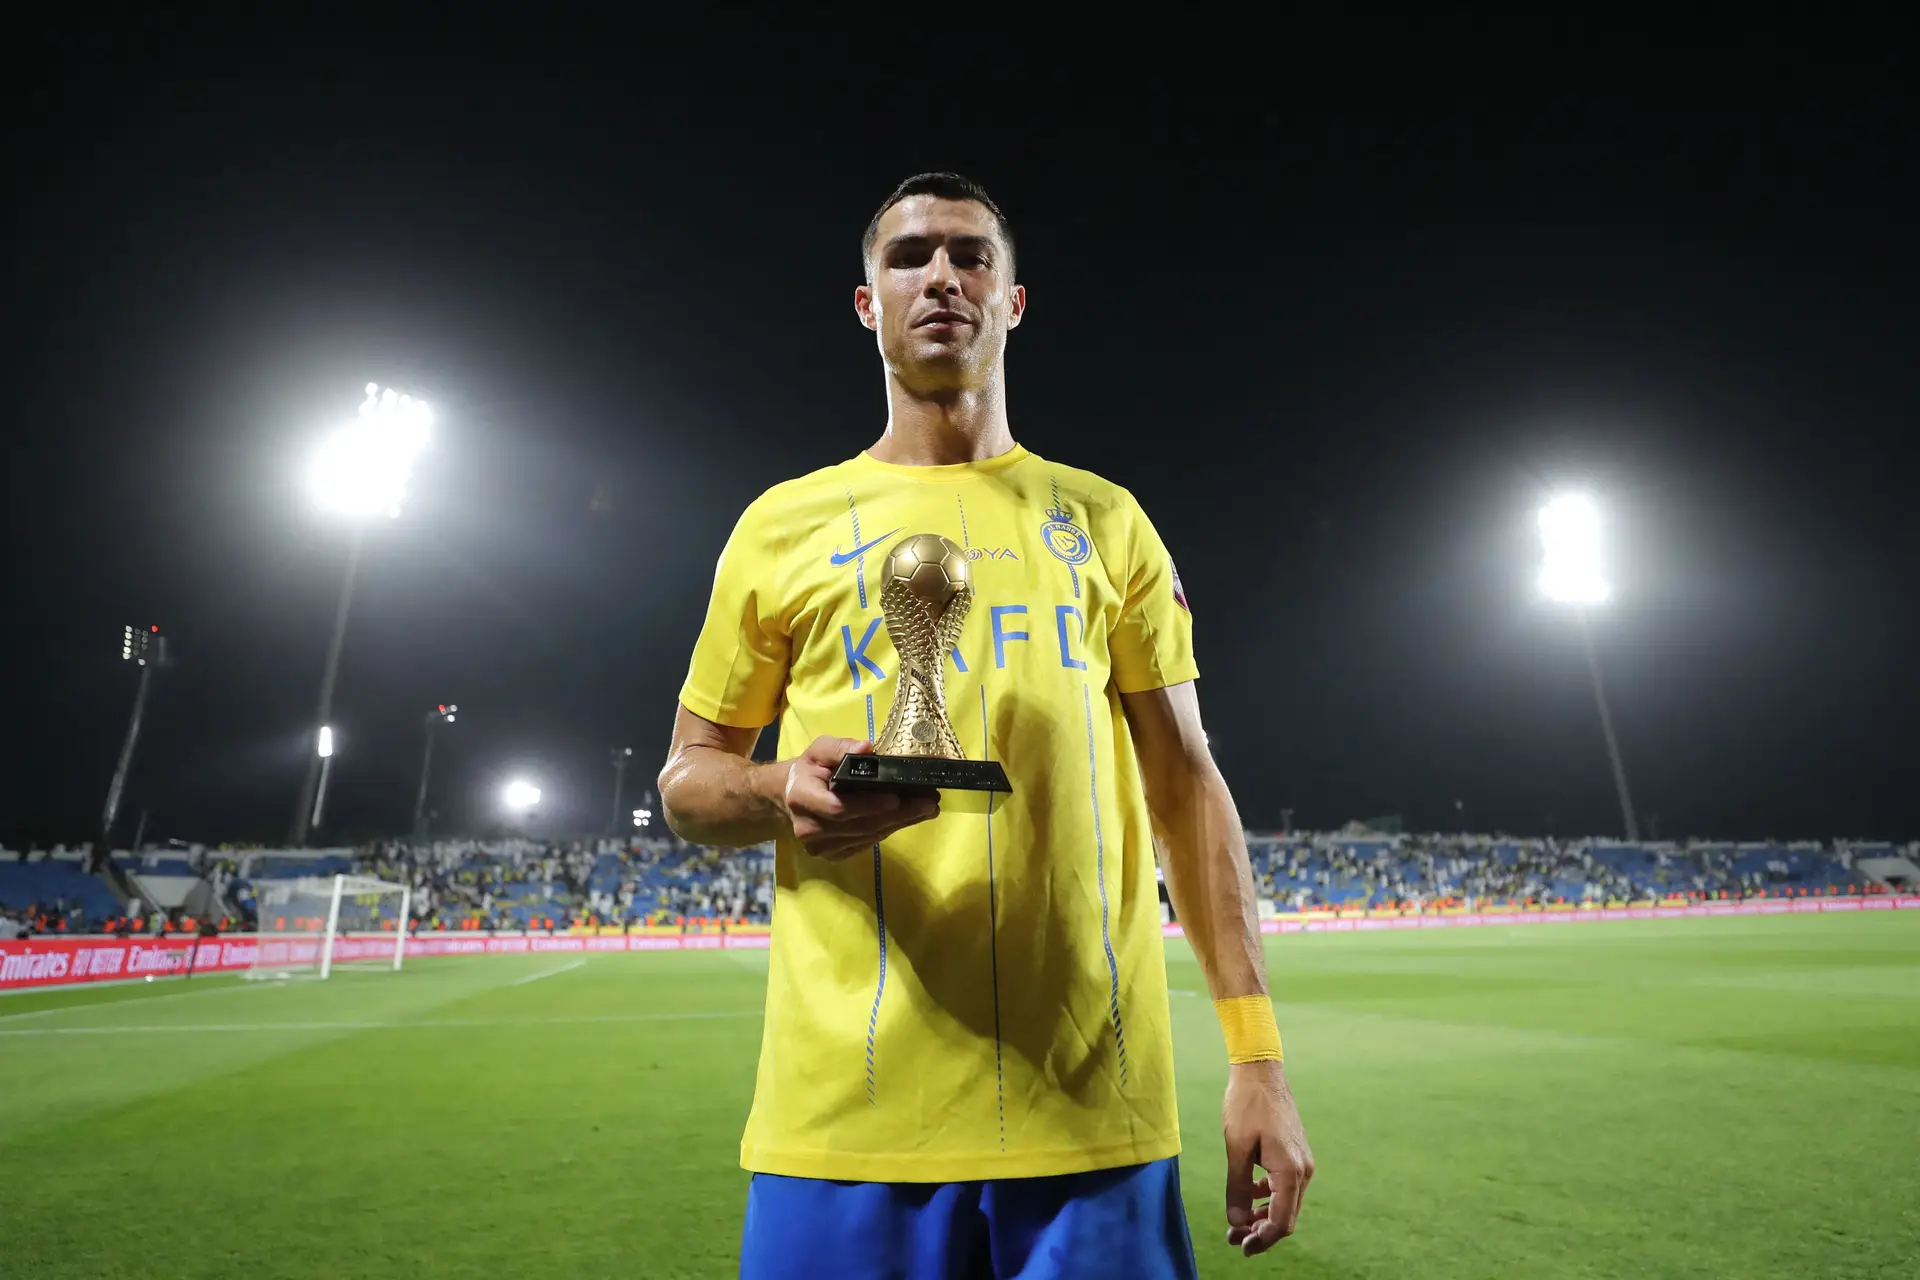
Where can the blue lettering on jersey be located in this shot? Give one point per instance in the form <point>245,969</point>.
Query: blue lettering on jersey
<point>857,653</point>
<point>1060,612</point>
<point>857,658</point>
<point>1005,618</point>
<point>1002,636</point>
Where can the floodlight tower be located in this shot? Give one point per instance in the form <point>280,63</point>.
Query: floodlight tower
<point>326,771</point>
<point>359,473</point>
<point>1571,574</point>
<point>622,757</point>
<point>442,714</point>
<point>146,647</point>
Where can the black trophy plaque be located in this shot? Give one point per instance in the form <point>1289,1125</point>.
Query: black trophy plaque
<point>915,775</point>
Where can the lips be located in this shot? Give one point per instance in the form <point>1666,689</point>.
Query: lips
<point>940,317</point>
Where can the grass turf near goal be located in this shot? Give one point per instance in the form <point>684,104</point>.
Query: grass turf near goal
<point>1673,1098</point>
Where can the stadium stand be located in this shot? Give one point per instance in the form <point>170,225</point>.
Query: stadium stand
<point>534,885</point>
<point>1307,871</point>
<point>55,889</point>
<point>524,885</point>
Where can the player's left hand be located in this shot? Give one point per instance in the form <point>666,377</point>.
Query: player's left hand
<point>1263,1129</point>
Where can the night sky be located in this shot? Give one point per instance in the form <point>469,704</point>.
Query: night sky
<point>1340,346</point>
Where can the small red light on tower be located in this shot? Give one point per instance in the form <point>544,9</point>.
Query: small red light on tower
<point>156,631</point>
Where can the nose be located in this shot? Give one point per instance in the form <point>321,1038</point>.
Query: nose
<point>942,280</point>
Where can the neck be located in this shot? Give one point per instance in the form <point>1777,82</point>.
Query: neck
<point>932,429</point>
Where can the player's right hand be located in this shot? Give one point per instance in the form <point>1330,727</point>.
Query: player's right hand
<point>835,824</point>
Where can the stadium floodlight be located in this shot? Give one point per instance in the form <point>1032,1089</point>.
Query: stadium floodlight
<point>642,817</point>
<point>324,753</point>
<point>1570,571</point>
<point>1571,574</point>
<point>362,469</point>
<point>520,796</point>
<point>360,472</point>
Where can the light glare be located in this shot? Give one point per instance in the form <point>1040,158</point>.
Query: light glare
<point>362,469</point>
<point>326,741</point>
<point>1570,571</point>
<point>520,795</point>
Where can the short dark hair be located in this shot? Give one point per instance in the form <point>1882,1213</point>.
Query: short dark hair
<point>943,186</point>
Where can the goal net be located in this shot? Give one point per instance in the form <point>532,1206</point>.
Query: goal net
<point>313,925</point>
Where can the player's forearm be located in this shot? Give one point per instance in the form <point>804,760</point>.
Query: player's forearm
<point>711,796</point>
<point>1209,879</point>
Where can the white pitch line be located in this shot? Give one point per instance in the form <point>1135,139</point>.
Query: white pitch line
<point>197,1028</point>
<point>545,973</point>
<point>212,989</point>
<point>121,1004</point>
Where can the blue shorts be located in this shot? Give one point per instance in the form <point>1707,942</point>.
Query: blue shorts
<point>1117,1224</point>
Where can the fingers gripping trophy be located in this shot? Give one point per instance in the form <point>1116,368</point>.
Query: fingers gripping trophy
<point>927,593</point>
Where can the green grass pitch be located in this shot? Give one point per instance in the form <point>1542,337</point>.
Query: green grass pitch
<point>1725,1097</point>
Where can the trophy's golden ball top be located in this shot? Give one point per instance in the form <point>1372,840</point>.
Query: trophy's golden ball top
<point>934,568</point>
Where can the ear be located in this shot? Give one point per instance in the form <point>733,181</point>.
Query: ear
<point>1016,306</point>
<point>867,306</point>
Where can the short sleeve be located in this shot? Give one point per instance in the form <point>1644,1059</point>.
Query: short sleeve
<point>1152,645</point>
<point>739,667</point>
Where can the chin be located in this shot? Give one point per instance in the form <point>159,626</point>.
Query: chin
<point>929,355</point>
<point>937,372</point>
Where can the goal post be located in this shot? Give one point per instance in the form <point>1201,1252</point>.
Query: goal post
<point>400,934</point>
<point>310,926</point>
<point>333,926</point>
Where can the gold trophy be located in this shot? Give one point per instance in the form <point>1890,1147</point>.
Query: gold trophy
<point>927,591</point>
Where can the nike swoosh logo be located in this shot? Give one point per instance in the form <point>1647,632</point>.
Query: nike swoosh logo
<point>840,557</point>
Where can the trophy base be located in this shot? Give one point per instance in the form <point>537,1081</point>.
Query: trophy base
<point>911,775</point>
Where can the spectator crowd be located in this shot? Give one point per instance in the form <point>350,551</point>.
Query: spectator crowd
<point>654,882</point>
<point>1307,871</point>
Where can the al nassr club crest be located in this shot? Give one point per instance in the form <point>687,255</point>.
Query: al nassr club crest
<point>1065,539</point>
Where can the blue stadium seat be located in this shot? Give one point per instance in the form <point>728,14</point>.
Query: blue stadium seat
<point>47,881</point>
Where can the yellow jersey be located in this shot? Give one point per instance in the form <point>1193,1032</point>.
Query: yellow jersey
<point>984,995</point>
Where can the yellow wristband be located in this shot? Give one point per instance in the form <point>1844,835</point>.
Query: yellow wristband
<point>1252,1035</point>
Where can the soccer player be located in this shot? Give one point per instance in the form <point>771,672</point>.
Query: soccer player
<point>967,1064</point>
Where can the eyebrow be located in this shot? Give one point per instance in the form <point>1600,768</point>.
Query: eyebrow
<point>958,242</point>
